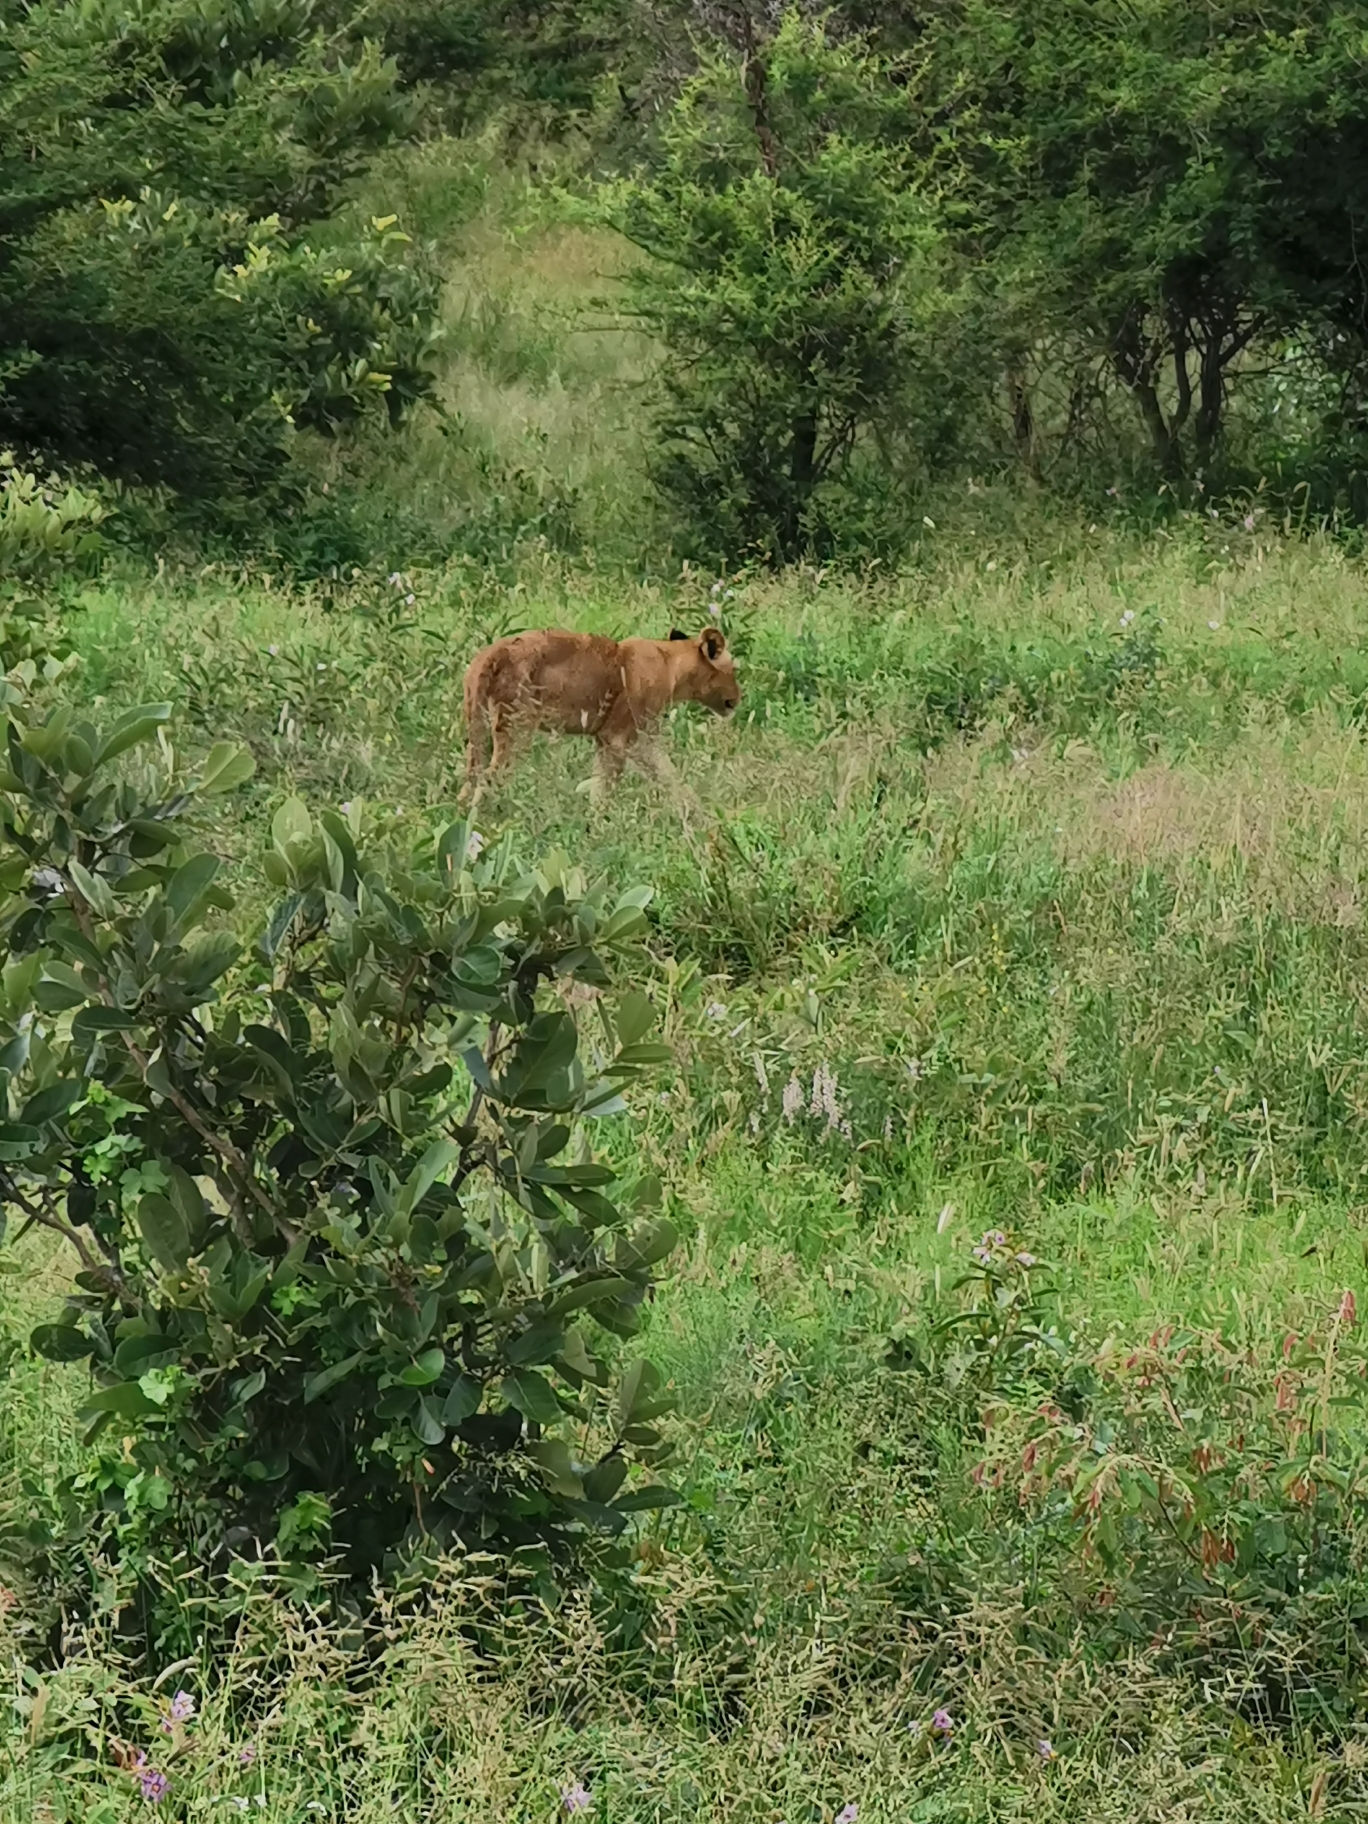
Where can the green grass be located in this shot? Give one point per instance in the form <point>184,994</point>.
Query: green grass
<point>1073,914</point>
<point>1048,852</point>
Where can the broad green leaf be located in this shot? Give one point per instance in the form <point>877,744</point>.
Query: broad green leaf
<point>61,1342</point>
<point>137,726</point>
<point>291,823</point>
<point>425,1423</point>
<point>552,1456</point>
<point>93,890</point>
<point>634,1018</point>
<point>541,1343</point>
<point>136,1353</point>
<point>58,997</point>
<point>126,1401</point>
<point>438,1157</point>
<point>648,1244</point>
<point>644,1499</point>
<point>51,1103</point>
<point>604,1480</point>
<point>639,1384</point>
<point>462,1401</point>
<point>424,1371</point>
<point>103,1019</point>
<point>187,884</point>
<point>164,1230</point>
<point>587,1294</point>
<point>328,1378</point>
<point>532,1395</point>
<point>226,766</point>
<point>18,1141</point>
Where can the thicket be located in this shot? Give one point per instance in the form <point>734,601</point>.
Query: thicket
<point>1089,245</point>
<point>176,304</point>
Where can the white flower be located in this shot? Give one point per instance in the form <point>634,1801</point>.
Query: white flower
<point>409,599</point>
<point>1128,617</point>
<point>345,808</point>
<point>475,843</point>
<point>273,650</point>
<point>716,1011</point>
<point>395,580</point>
<point>1249,522</point>
<point>730,594</point>
<point>1214,626</point>
<point>714,609</point>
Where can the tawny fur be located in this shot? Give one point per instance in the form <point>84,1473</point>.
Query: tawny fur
<point>614,691</point>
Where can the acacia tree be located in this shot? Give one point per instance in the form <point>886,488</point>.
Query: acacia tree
<point>1161,186</point>
<point>162,317</point>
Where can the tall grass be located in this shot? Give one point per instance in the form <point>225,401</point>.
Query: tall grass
<point>1063,911</point>
<point>1029,895</point>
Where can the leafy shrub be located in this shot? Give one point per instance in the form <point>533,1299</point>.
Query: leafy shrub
<point>796,285</point>
<point>163,317</point>
<point>46,529</point>
<point>337,1222</point>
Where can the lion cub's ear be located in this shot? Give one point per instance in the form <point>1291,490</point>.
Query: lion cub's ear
<point>675,634</point>
<point>711,643</point>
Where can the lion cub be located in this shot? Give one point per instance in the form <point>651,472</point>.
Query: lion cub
<point>614,691</point>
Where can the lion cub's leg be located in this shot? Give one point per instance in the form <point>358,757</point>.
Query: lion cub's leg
<point>477,756</point>
<point>654,763</point>
<point>609,760</point>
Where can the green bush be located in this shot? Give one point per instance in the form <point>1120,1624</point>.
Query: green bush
<point>48,529</point>
<point>796,283</point>
<point>163,317</point>
<point>337,1223</point>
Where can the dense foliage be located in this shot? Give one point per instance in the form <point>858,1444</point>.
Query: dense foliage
<point>795,286</point>
<point>164,318</point>
<point>334,1214</point>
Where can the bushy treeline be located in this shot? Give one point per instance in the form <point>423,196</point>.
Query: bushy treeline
<point>1092,241</point>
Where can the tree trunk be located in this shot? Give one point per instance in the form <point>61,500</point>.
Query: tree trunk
<point>802,480</point>
<point>1210,396</point>
<point>1023,420</point>
<point>1135,365</point>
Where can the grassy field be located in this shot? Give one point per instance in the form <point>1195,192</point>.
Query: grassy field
<point>1046,861</point>
<point>1029,897</point>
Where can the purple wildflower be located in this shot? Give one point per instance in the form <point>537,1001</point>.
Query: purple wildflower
<point>153,1785</point>
<point>942,1722</point>
<point>1249,522</point>
<point>1045,1750</point>
<point>576,1798</point>
<point>247,1755</point>
<point>847,1814</point>
<point>1027,1260</point>
<point>983,1257</point>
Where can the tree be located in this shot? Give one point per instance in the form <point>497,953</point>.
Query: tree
<point>795,283</point>
<point>1160,187</point>
<point>163,316</point>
